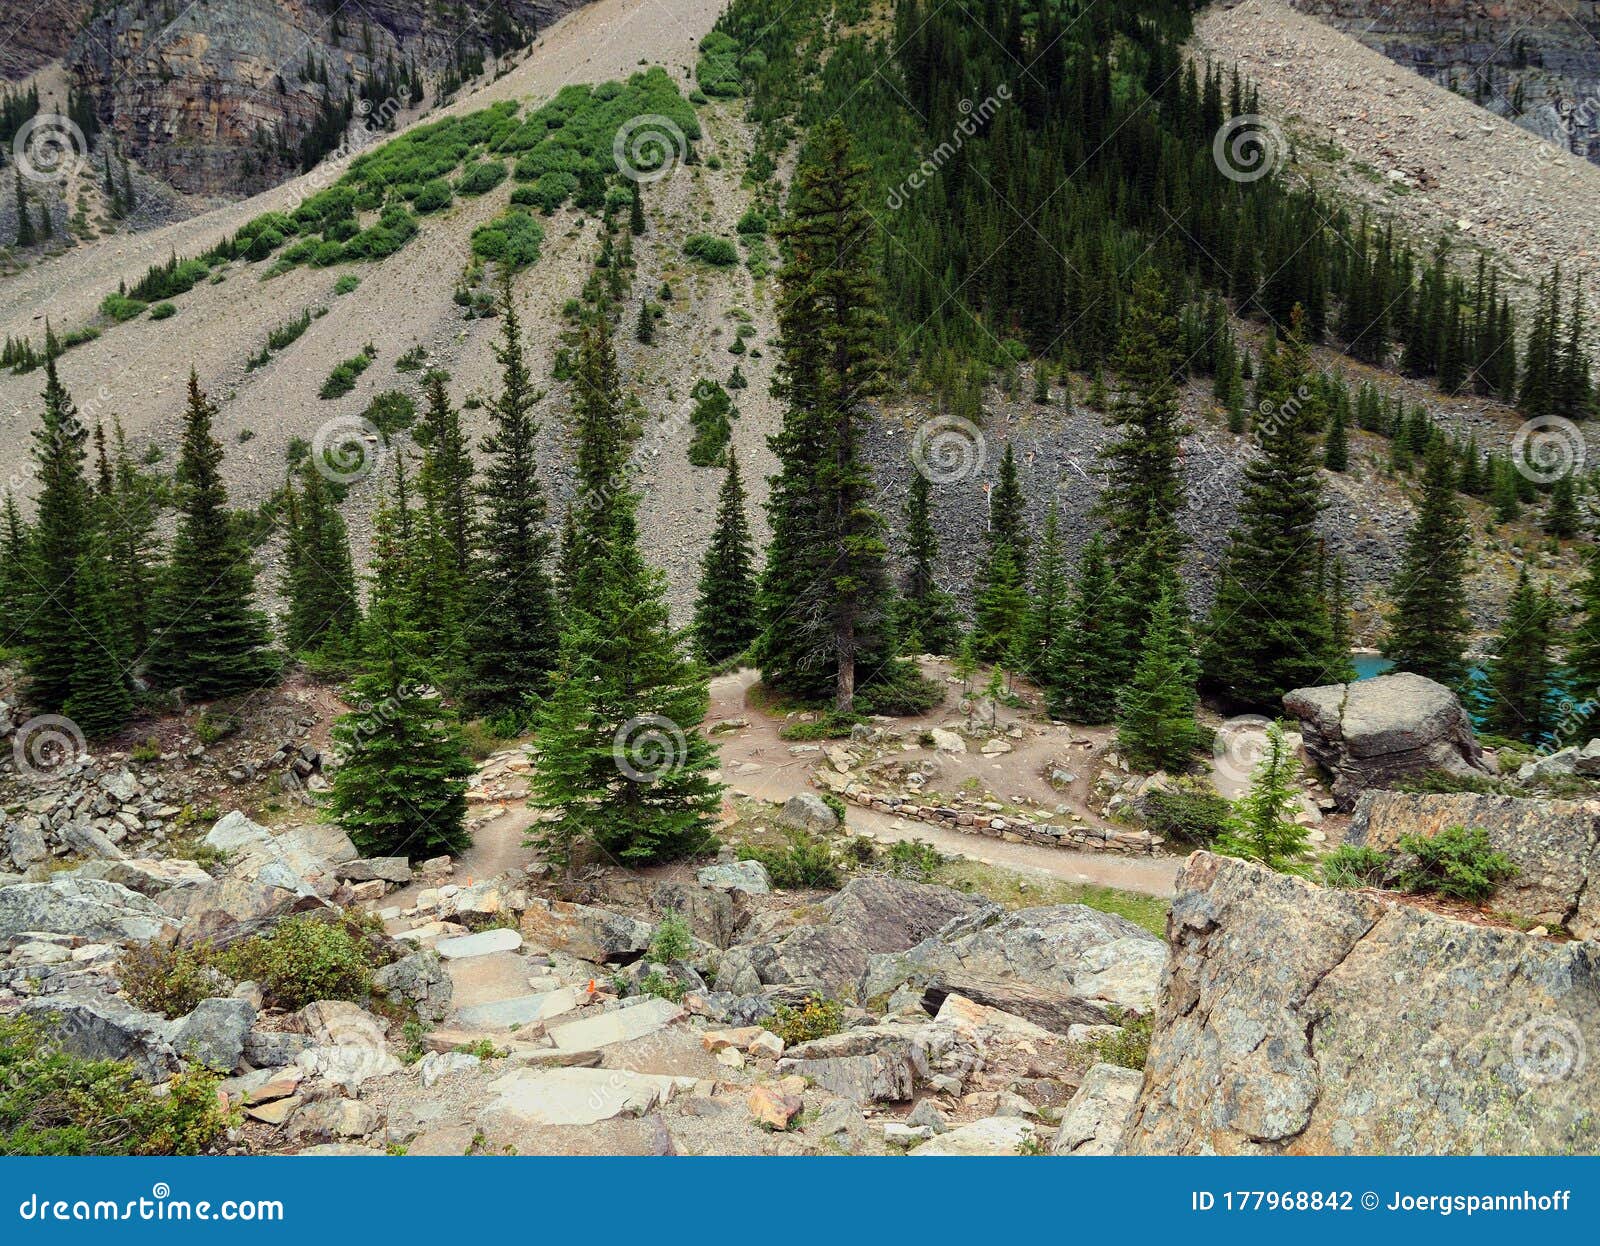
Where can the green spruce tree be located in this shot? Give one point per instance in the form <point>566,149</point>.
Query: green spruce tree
<point>725,611</point>
<point>209,640</point>
<point>512,634</point>
<point>1155,713</point>
<point>927,620</point>
<point>1429,628</point>
<point>1523,677</point>
<point>1091,657</point>
<point>1262,826</point>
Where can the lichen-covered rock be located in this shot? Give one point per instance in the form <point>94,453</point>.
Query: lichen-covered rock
<point>1298,1020</point>
<point>1555,845</point>
<point>1095,1120</point>
<point>104,1027</point>
<point>420,980</point>
<point>90,908</point>
<point>586,932</point>
<point>1369,733</point>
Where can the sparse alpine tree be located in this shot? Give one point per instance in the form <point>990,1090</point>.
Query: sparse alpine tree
<point>209,639</point>
<point>926,613</point>
<point>1262,827</point>
<point>62,533</point>
<point>725,611</point>
<point>401,785</point>
<point>1155,714</point>
<point>1091,656</point>
<point>1523,678</point>
<point>513,633</point>
<point>1430,627</point>
<point>319,580</point>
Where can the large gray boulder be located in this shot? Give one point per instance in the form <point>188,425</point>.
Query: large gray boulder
<point>105,1027</point>
<point>1103,959</point>
<point>91,908</point>
<point>419,979</point>
<point>1097,1117</point>
<point>589,933</point>
<point>214,1033</point>
<point>830,952</point>
<point>806,811</point>
<point>292,857</point>
<point>1298,1020</point>
<point>1370,733</point>
<point>1555,845</point>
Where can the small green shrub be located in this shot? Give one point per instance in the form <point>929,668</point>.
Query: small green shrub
<point>163,311</point>
<point>170,980</point>
<point>345,373</point>
<point>483,1049</point>
<point>391,412</point>
<point>480,178</point>
<point>673,940</point>
<point>346,284</point>
<point>911,858</point>
<point>55,1103</point>
<point>826,726</point>
<point>1190,815</point>
<point>660,986</point>
<point>1354,865</point>
<point>1130,1047</point>
<point>816,1018</point>
<point>304,959</point>
<point>710,249</point>
<point>512,239</point>
<point>807,862</point>
<point>120,307</point>
<point>1456,862</point>
<point>434,196</point>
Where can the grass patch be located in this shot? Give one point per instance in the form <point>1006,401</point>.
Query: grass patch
<point>1014,890</point>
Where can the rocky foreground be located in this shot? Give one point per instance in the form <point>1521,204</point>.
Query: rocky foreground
<point>700,1011</point>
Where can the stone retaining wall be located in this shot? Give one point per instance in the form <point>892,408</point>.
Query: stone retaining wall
<point>1077,838</point>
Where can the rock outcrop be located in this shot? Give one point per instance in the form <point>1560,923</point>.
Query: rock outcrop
<point>219,98</point>
<point>33,35</point>
<point>1555,845</point>
<point>1298,1020</point>
<point>1370,733</point>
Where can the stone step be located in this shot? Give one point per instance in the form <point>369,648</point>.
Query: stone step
<point>481,943</point>
<point>518,1010</point>
<point>621,1025</point>
<point>577,1096</point>
<point>499,975</point>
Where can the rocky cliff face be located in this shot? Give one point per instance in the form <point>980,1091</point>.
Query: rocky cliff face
<point>223,97</point>
<point>33,35</point>
<point>1534,62</point>
<point>1298,1020</point>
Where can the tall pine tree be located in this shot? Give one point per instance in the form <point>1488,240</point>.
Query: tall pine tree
<point>926,614</point>
<point>1155,712</point>
<point>1523,677</point>
<point>1429,629</point>
<point>209,639</point>
<point>512,634</point>
<point>725,611</point>
<point>1091,655</point>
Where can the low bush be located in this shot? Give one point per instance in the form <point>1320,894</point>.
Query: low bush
<point>1130,1046</point>
<point>1456,862</point>
<point>911,858</point>
<point>1354,865</point>
<point>480,178</point>
<point>710,249</point>
<point>55,1103</point>
<point>163,311</point>
<point>434,196</point>
<point>512,240</point>
<point>170,980</point>
<point>391,412</point>
<point>304,959</point>
<point>816,1018</point>
<point>120,307</point>
<point>345,374</point>
<point>807,861</point>
<point>1190,814</point>
<point>673,940</point>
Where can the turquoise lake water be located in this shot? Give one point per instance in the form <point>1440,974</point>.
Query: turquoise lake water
<point>1369,664</point>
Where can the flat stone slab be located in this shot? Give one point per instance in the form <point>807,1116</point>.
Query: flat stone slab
<point>578,1096</point>
<point>993,1135</point>
<point>480,944</point>
<point>619,1026</point>
<point>519,1010</point>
